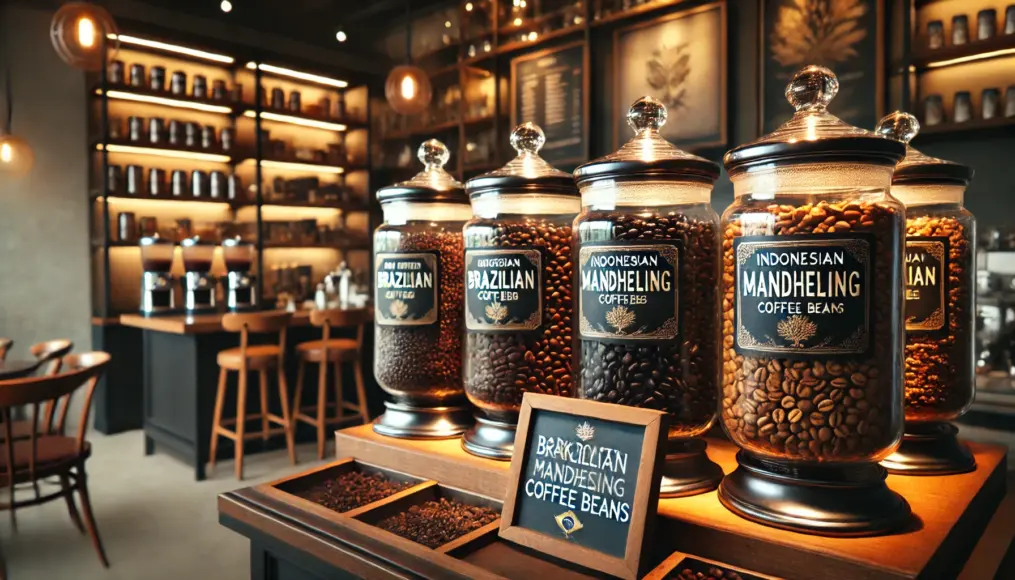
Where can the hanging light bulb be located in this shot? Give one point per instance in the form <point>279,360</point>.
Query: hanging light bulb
<point>408,87</point>
<point>16,156</point>
<point>77,31</point>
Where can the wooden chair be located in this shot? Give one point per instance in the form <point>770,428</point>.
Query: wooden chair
<point>43,456</point>
<point>51,351</point>
<point>260,358</point>
<point>337,351</point>
<point>5,345</point>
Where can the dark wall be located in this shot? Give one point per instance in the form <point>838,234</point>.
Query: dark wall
<point>991,196</point>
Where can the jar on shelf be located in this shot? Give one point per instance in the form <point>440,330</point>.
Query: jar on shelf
<point>418,279</point>
<point>940,289</point>
<point>518,271</point>
<point>648,298</point>
<point>812,321</point>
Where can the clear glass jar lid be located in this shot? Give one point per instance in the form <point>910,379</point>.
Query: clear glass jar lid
<point>433,184</point>
<point>527,172</point>
<point>648,154</point>
<point>813,135</point>
<point>917,168</point>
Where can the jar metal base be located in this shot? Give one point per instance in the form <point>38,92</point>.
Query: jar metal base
<point>410,422</point>
<point>491,439</point>
<point>930,449</point>
<point>688,470</point>
<point>840,500</point>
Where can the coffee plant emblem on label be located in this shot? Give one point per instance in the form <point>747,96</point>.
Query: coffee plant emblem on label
<point>503,289</point>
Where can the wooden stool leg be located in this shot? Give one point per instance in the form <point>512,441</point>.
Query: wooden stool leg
<point>299,392</point>
<point>361,391</point>
<point>283,395</point>
<point>241,420</point>
<point>216,422</point>
<point>86,508</point>
<point>339,410</point>
<point>264,404</point>
<point>322,403</point>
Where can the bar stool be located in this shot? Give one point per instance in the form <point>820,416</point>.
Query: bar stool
<point>260,358</point>
<point>337,351</point>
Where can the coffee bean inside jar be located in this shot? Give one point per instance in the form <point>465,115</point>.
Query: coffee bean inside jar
<point>812,325</point>
<point>648,299</point>
<point>518,291</point>
<point>418,261</point>
<point>940,283</point>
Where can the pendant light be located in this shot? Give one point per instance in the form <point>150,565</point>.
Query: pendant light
<point>79,31</point>
<point>408,88</point>
<point>15,155</point>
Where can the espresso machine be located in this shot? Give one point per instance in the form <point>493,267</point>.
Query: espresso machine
<point>198,283</point>
<point>241,293</point>
<point>156,280</point>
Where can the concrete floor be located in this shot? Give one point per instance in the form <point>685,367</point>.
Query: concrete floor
<point>155,520</point>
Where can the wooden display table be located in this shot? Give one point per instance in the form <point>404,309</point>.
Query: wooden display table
<point>946,538</point>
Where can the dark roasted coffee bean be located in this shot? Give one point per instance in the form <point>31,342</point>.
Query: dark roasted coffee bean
<point>436,523</point>
<point>351,490</point>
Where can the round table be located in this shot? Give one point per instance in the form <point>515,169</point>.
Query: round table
<point>16,369</point>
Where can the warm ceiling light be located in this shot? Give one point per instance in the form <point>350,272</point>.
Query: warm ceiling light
<point>408,89</point>
<point>533,35</point>
<point>16,156</point>
<point>308,167</point>
<point>447,24</point>
<point>268,116</point>
<point>518,22</point>
<point>468,6</point>
<point>194,155</point>
<point>226,6</point>
<point>140,98</point>
<point>341,36</point>
<point>75,32</point>
<point>202,54</point>
<point>972,58</point>
<point>268,68</point>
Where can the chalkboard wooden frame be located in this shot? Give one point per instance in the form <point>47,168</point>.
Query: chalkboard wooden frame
<point>646,495</point>
<point>586,73</point>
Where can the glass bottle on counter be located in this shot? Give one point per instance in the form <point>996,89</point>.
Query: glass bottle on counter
<point>812,321</point>
<point>418,306</point>
<point>648,300</point>
<point>940,318</point>
<point>519,328</point>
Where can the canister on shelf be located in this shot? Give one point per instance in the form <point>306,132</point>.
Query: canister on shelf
<point>1009,19</point>
<point>418,279</point>
<point>812,327</point>
<point>295,101</point>
<point>137,75</point>
<point>135,128</point>
<point>175,132</point>
<point>990,104</point>
<point>226,137</point>
<point>156,181</point>
<point>1009,101</point>
<point>115,130</point>
<point>986,24</point>
<point>191,134</point>
<point>208,137</point>
<point>178,83</point>
<point>277,98</point>
<point>200,88</point>
<point>960,29</point>
<point>114,179</point>
<point>648,290</point>
<point>126,227</point>
<point>114,74</point>
<point>156,130</point>
<point>940,288</point>
<point>216,184</point>
<point>157,78</point>
<point>218,90</point>
<point>518,291</point>
<point>178,183</point>
<point>933,110</point>
<point>134,180</point>
<point>963,107</point>
<point>199,183</point>
<point>235,188</point>
<point>935,34</point>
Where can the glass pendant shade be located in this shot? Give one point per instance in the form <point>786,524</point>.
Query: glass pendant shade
<point>408,89</point>
<point>16,156</point>
<point>77,32</point>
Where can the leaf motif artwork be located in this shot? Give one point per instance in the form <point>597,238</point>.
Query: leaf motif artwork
<point>666,72</point>
<point>399,309</point>
<point>496,311</point>
<point>797,328</point>
<point>822,32</point>
<point>620,318</point>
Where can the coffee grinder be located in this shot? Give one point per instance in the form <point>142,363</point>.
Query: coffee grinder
<point>239,258</point>
<point>156,280</point>
<point>198,283</point>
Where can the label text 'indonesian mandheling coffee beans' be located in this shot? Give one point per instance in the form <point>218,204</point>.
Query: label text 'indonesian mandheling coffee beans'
<point>808,328</point>
<point>419,314</point>
<point>647,313</point>
<point>939,303</point>
<point>518,318</point>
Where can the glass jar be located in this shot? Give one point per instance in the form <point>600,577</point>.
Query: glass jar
<point>418,304</point>
<point>940,319</point>
<point>518,272</point>
<point>648,300</point>
<point>812,321</point>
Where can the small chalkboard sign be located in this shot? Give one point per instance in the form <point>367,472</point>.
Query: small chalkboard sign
<point>584,482</point>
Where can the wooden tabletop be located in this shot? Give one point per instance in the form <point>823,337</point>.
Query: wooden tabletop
<point>193,324</point>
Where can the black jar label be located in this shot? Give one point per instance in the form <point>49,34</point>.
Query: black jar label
<point>803,294</point>
<point>629,291</point>
<point>406,286</point>
<point>503,289</point>
<point>926,283</point>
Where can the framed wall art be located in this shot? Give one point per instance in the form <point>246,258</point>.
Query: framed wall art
<point>680,59</point>
<point>847,36</point>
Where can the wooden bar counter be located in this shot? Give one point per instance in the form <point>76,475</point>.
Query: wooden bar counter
<point>962,527</point>
<point>180,377</point>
